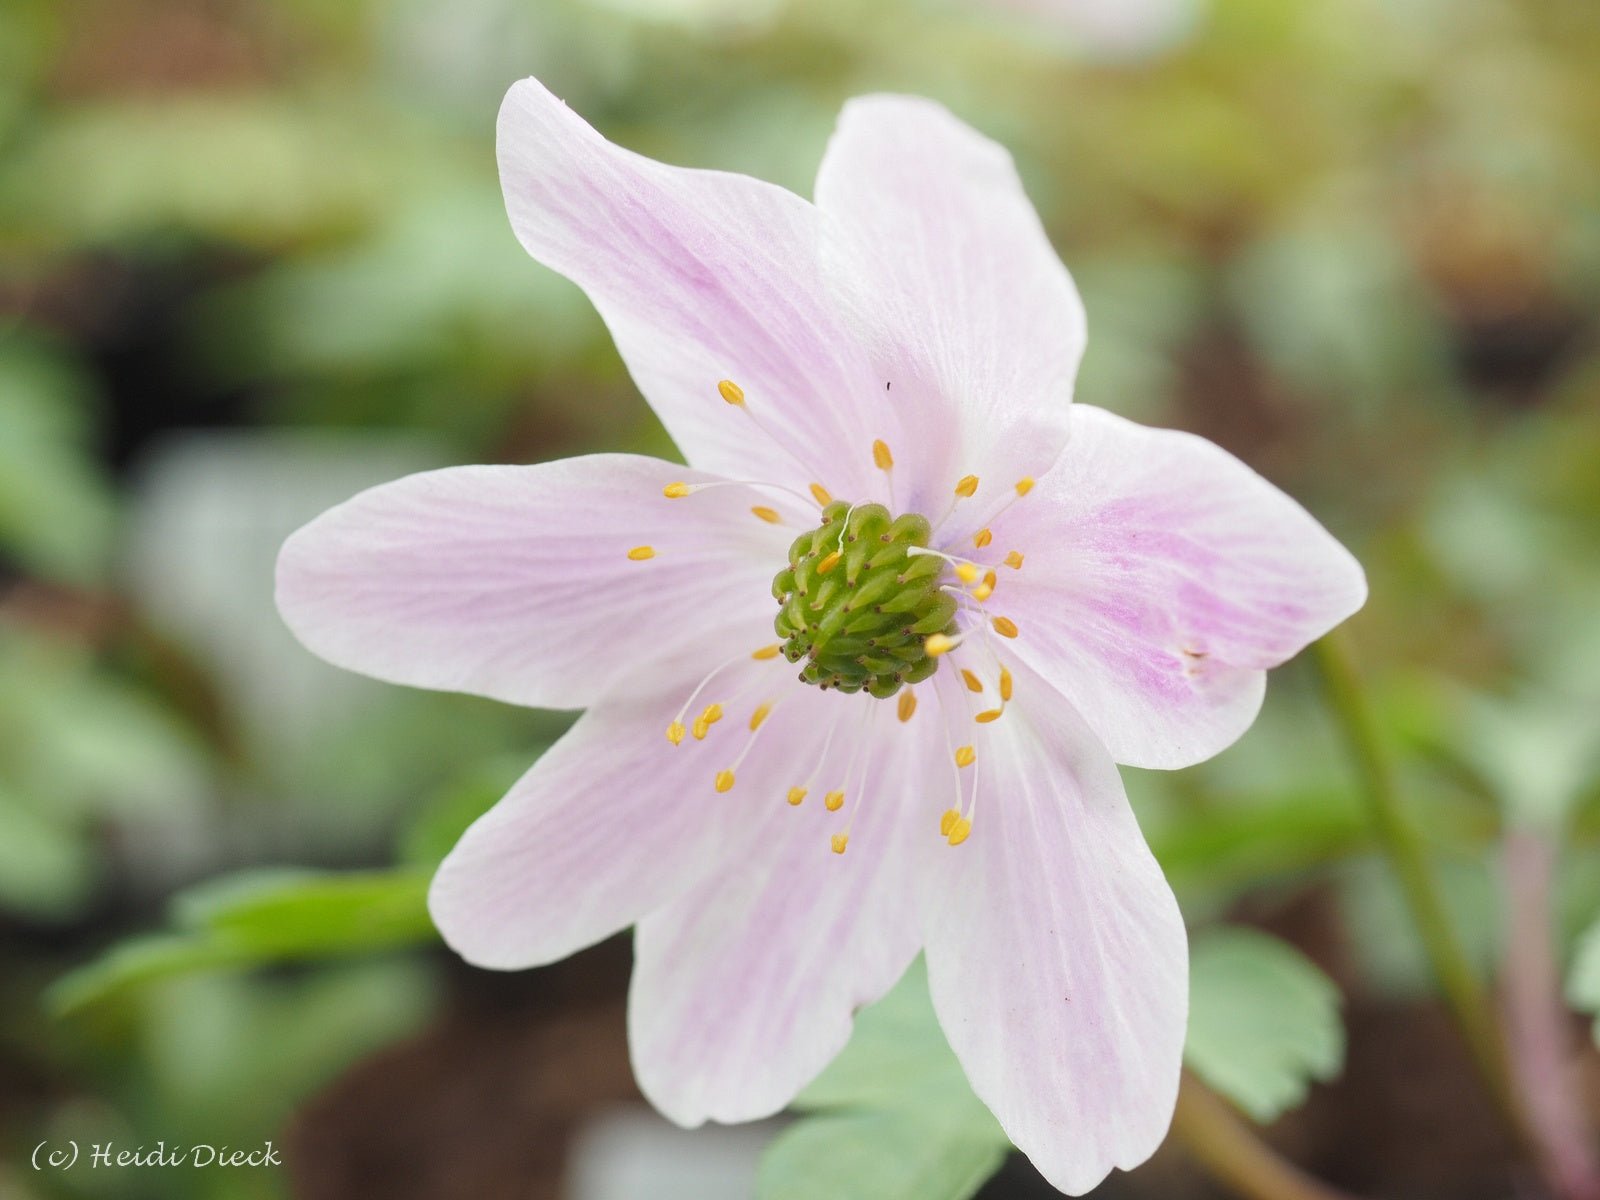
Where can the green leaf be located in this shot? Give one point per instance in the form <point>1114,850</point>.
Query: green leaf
<point>897,1120</point>
<point>1583,983</point>
<point>262,917</point>
<point>889,1155</point>
<point>1263,1021</point>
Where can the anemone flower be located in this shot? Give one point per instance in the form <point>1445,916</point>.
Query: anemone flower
<point>857,678</point>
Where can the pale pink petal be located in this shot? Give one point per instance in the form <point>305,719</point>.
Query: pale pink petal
<point>701,276</point>
<point>1057,958</point>
<point>615,821</point>
<point>1161,578</point>
<point>745,988</point>
<point>515,582</point>
<point>969,312</point>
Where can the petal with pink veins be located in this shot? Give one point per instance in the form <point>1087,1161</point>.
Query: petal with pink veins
<point>968,311</point>
<point>615,821</point>
<point>1161,578</point>
<point>516,582</point>
<point>700,276</point>
<point>1057,958</point>
<point>746,987</point>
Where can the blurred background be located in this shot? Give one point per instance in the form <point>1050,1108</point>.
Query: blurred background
<point>253,259</point>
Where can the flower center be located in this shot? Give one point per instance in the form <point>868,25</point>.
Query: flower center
<point>857,603</point>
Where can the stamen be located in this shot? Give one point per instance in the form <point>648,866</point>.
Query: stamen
<point>821,495</point>
<point>990,714</point>
<point>796,795</point>
<point>982,538</point>
<point>641,553</point>
<point>829,562</point>
<point>1005,685</point>
<point>965,756</point>
<point>948,821</point>
<point>725,781</point>
<point>907,705</point>
<point>974,684</point>
<point>967,485</point>
<point>1014,560</point>
<point>734,395</point>
<point>833,801</point>
<point>702,726</point>
<point>1024,485</point>
<point>675,491</point>
<point>731,392</point>
<point>966,572</point>
<point>769,515</point>
<point>767,652</point>
<point>1004,626</point>
<point>959,831</point>
<point>839,842</point>
<point>761,713</point>
<point>940,643</point>
<point>881,457</point>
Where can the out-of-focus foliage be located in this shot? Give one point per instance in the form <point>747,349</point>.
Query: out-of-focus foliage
<point>893,1115</point>
<point>1583,985</point>
<point>1263,1022</point>
<point>253,259</point>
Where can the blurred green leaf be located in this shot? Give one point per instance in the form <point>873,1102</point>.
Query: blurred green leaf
<point>1583,983</point>
<point>56,512</point>
<point>897,1117</point>
<point>439,823</point>
<point>261,917</point>
<point>889,1155</point>
<point>1263,1021</point>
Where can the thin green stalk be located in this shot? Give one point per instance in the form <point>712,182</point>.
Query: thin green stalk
<point>1402,845</point>
<point>1233,1155</point>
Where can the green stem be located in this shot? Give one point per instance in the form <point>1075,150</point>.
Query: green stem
<point>1233,1155</point>
<point>1402,845</point>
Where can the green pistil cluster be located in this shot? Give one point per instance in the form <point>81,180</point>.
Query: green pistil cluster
<point>857,605</point>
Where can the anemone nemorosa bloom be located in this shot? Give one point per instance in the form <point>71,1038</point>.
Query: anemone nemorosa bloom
<point>857,678</point>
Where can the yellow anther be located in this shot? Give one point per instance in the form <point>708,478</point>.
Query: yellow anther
<point>795,796</point>
<point>948,821</point>
<point>820,495</point>
<point>833,801</point>
<point>675,732</point>
<point>1025,485</point>
<point>675,491</point>
<point>982,538</point>
<point>829,562</point>
<point>712,714</point>
<point>724,781</point>
<point>731,392</point>
<point>766,652</point>
<point>1004,626</point>
<point>908,705</point>
<point>974,684</point>
<point>640,553</point>
<point>769,515</point>
<point>1005,684</point>
<point>959,831</point>
<point>982,592</point>
<point>1014,560</point>
<point>840,841</point>
<point>881,455</point>
<point>966,572</point>
<point>759,716</point>
<point>939,643</point>
<point>965,756</point>
<point>700,728</point>
<point>989,714</point>
<point>967,485</point>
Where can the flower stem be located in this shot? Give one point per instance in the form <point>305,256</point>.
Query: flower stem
<point>1402,845</point>
<point>1233,1155</point>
